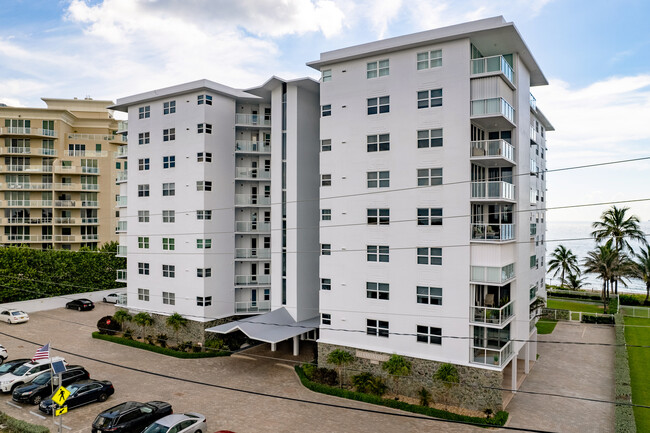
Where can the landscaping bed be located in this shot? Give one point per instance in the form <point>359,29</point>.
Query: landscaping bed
<point>13,425</point>
<point>545,326</point>
<point>196,351</point>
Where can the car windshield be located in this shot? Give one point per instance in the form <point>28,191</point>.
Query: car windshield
<point>155,428</point>
<point>17,313</point>
<point>102,421</point>
<point>23,369</point>
<point>5,368</point>
<point>73,388</point>
<point>42,379</point>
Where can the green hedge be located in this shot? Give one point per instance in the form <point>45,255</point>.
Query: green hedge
<point>17,426</point>
<point>603,320</point>
<point>158,349</point>
<point>624,415</point>
<point>632,300</point>
<point>573,295</point>
<point>499,418</point>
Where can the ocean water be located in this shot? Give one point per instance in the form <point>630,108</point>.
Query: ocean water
<point>576,236</point>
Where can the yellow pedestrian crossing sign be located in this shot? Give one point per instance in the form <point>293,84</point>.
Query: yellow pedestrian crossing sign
<point>60,395</point>
<point>61,411</point>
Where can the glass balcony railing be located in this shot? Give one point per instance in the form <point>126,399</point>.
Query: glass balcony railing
<point>121,200</point>
<point>65,203</point>
<point>122,152</point>
<point>64,220</point>
<point>65,238</point>
<point>121,275</point>
<point>252,227</point>
<point>121,227</point>
<point>252,280</point>
<point>533,292</point>
<point>14,185</point>
<point>12,130</point>
<point>491,274</point>
<point>252,199</point>
<point>252,173</point>
<point>492,64</point>
<point>252,119</point>
<point>493,353</point>
<point>533,102</point>
<point>252,306</point>
<point>121,251</point>
<point>252,146</point>
<point>533,229</point>
<point>491,107</point>
<point>29,203</point>
<point>252,253</point>
<point>493,190</point>
<point>26,220</point>
<point>492,149</point>
<point>17,150</point>
<point>492,316</point>
<point>493,232</point>
<point>27,168</point>
<point>122,176</point>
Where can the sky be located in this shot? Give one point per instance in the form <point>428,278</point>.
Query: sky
<point>594,54</point>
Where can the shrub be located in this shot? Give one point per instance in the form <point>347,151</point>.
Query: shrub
<point>165,351</point>
<point>574,295</point>
<point>149,339</point>
<point>612,306</point>
<point>632,300</point>
<point>326,376</point>
<point>605,320</point>
<point>185,346</point>
<point>235,340</point>
<point>367,383</point>
<point>128,334</point>
<point>216,344</point>
<point>624,415</point>
<point>161,339</point>
<point>425,397</point>
<point>106,325</point>
<point>12,425</point>
<point>309,370</point>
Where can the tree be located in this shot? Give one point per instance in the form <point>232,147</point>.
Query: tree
<point>340,358</point>
<point>447,374</point>
<point>397,367</point>
<point>143,319</point>
<point>563,262</point>
<point>122,316</point>
<point>574,282</point>
<point>176,322</point>
<point>603,262</point>
<point>642,269</point>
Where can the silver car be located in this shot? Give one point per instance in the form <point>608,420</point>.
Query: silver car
<point>179,423</point>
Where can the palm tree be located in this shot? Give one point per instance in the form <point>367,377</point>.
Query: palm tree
<point>448,375</point>
<point>603,262</point>
<point>340,358</point>
<point>176,322</point>
<point>642,269</point>
<point>143,319</point>
<point>122,316</point>
<point>563,262</point>
<point>574,282</point>
<point>397,367</point>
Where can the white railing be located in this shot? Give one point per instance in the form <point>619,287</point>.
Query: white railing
<point>252,253</point>
<point>250,199</point>
<point>76,169</point>
<point>28,131</point>
<point>86,153</point>
<point>89,220</point>
<point>64,220</point>
<point>486,65</point>
<point>491,274</point>
<point>28,238</point>
<point>492,316</point>
<point>27,220</point>
<point>250,226</point>
<point>252,173</point>
<point>252,280</point>
<point>491,355</point>
<point>121,251</point>
<point>45,152</point>
<point>121,200</point>
<point>121,226</point>
<point>252,306</point>
<point>65,238</point>
<point>65,203</point>
<point>90,186</point>
<point>30,203</point>
<point>89,203</point>
<point>67,186</point>
<point>252,119</point>
<point>493,190</point>
<point>29,186</point>
<point>122,152</point>
<point>493,149</point>
<point>121,275</point>
<point>634,311</point>
<point>94,137</point>
<point>27,168</point>
<point>493,232</point>
<point>492,106</point>
<point>122,176</point>
<point>252,146</point>
<point>90,237</point>
<point>17,150</point>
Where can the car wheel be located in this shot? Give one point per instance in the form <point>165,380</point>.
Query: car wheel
<point>14,387</point>
<point>105,300</point>
<point>37,399</point>
<point>78,308</point>
<point>1,360</point>
<point>197,431</point>
<point>102,397</point>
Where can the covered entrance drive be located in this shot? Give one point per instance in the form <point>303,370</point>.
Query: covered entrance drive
<point>272,327</point>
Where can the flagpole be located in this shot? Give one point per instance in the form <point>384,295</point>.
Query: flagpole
<point>49,357</point>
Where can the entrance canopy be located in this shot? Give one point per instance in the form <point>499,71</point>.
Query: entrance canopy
<point>271,327</point>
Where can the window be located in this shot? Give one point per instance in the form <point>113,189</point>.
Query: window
<point>325,180</point>
<point>203,302</point>
<point>143,268</point>
<point>326,110</point>
<point>204,272</point>
<point>429,256</point>
<point>204,243</point>
<point>377,253</point>
<point>429,334</point>
<point>429,216</point>
<point>169,298</point>
<point>168,189</point>
<point>377,291</point>
<point>204,157</point>
<point>378,328</point>
<point>203,214</point>
<point>143,295</point>
<point>326,145</point>
<point>169,161</point>
<point>429,295</point>
<point>325,284</point>
<point>267,294</point>
<point>378,216</point>
<point>429,59</point>
<point>143,216</point>
<point>169,134</point>
<point>429,176</point>
<point>533,261</point>
<point>143,138</point>
<point>378,143</point>
<point>143,190</point>
<point>143,164</point>
<point>169,271</point>
<point>143,242</point>
<point>376,69</point>
<point>326,319</point>
<point>326,214</point>
<point>204,185</point>
<point>379,105</point>
<point>168,244</point>
<point>169,107</point>
<point>169,216</point>
<point>204,127</point>
<point>326,249</point>
<point>144,112</point>
<point>430,138</point>
<point>326,75</point>
<point>430,98</point>
<point>204,99</point>
<point>378,179</point>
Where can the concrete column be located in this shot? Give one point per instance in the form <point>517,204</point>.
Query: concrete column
<point>273,348</point>
<point>527,365</point>
<point>514,374</point>
<point>296,345</point>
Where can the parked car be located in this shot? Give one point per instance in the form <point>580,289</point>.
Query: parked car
<point>179,423</point>
<point>80,304</point>
<point>12,316</point>
<point>41,387</point>
<point>3,354</point>
<point>10,366</point>
<point>26,373</point>
<point>130,416</point>
<point>81,393</point>
<point>112,298</point>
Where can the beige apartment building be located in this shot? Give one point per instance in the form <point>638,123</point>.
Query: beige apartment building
<point>58,170</point>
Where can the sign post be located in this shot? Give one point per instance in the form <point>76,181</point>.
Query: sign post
<point>59,397</point>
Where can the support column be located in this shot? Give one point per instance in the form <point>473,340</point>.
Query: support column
<point>273,348</point>
<point>514,374</point>
<point>527,366</point>
<point>296,345</point>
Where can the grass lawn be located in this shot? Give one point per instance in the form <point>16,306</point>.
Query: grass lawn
<point>545,326</point>
<point>585,307</point>
<point>639,360</point>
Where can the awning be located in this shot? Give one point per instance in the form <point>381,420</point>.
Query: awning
<point>271,327</point>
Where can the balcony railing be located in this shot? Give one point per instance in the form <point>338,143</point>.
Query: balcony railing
<point>251,199</point>
<point>493,190</point>
<point>252,306</point>
<point>121,251</point>
<point>533,102</point>
<point>533,229</point>
<point>14,185</point>
<point>90,237</point>
<point>28,238</point>
<point>27,220</point>
<point>122,176</point>
<point>27,168</point>
<point>493,232</point>
<point>252,173</point>
<point>122,152</point>
<point>252,119</point>
<point>86,153</point>
<point>533,135</point>
<point>252,227</point>
<point>121,227</point>
<point>17,150</point>
<point>29,203</point>
<point>90,186</point>
<point>252,280</point>
<point>64,220</point>
<point>492,355</point>
<point>252,253</point>
<point>121,200</point>
<point>89,203</point>
<point>491,64</point>
<point>121,276</point>
<point>12,130</point>
<point>65,203</point>
<point>493,106</point>
<point>76,169</point>
<point>252,146</point>
<point>533,196</point>
<point>492,316</point>
<point>532,292</point>
<point>92,137</point>
<point>89,220</point>
<point>65,238</point>
<point>491,149</point>
<point>491,274</point>
<point>67,186</point>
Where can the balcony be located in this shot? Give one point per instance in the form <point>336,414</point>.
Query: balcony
<point>12,130</point>
<point>495,353</point>
<point>45,152</point>
<point>86,153</point>
<point>28,203</point>
<point>65,238</point>
<point>490,274</point>
<point>64,220</point>
<point>121,251</point>
<point>122,152</point>
<point>533,135</point>
<point>67,186</point>
<point>252,253</point>
<point>26,220</point>
<point>16,150</point>
<point>93,137</point>
<point>89,220</point>
<point>28,238</point>
<point>89,203</point>
<point>243,146</point>
<point>532,295</point>
<point>121,200</point>
<point>533,197</point>
<point>121,227</point>
<point>27,168</point>
<point>494,190</point>
<point>490,65</point>
<point>122,176</point>
<point>38,186</point>
<point>488,112</point>
<point>252,227</point>
<point>252,306</point>
<point>533,102</point>
<point>65,203</point>
<point>90,237</point>
<point>252,120</point>
<point>493,152</point>
<point>533,229</point>
<point>90,186</point>
<point>251,174</point>
<point>252,280</point>
<point>492,316</point>
<point>121,276</point>
<point>493,232</point>
<point>75,169</point>
<point>251,200</point>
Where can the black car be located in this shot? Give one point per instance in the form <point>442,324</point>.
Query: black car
<point>130,416</point>
<point>80,304</point>
<point>11,366</point>
<point>82,392</point>
<point>41,387</point>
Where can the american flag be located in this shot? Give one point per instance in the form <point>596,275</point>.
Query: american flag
<point>42,353</point>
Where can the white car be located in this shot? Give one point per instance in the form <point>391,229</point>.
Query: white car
<point>112,298</point>
<point>26,373</point>
<point>179,423</point>
<point>12,316</point>
<point>3,354</point>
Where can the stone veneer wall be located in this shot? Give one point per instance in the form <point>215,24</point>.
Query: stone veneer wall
<point>422,371</point>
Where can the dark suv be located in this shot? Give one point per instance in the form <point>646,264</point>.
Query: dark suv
<point>130,416</point>
<point>41,387</point>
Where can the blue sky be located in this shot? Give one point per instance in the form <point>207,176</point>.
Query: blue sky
<point>594,54</point>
